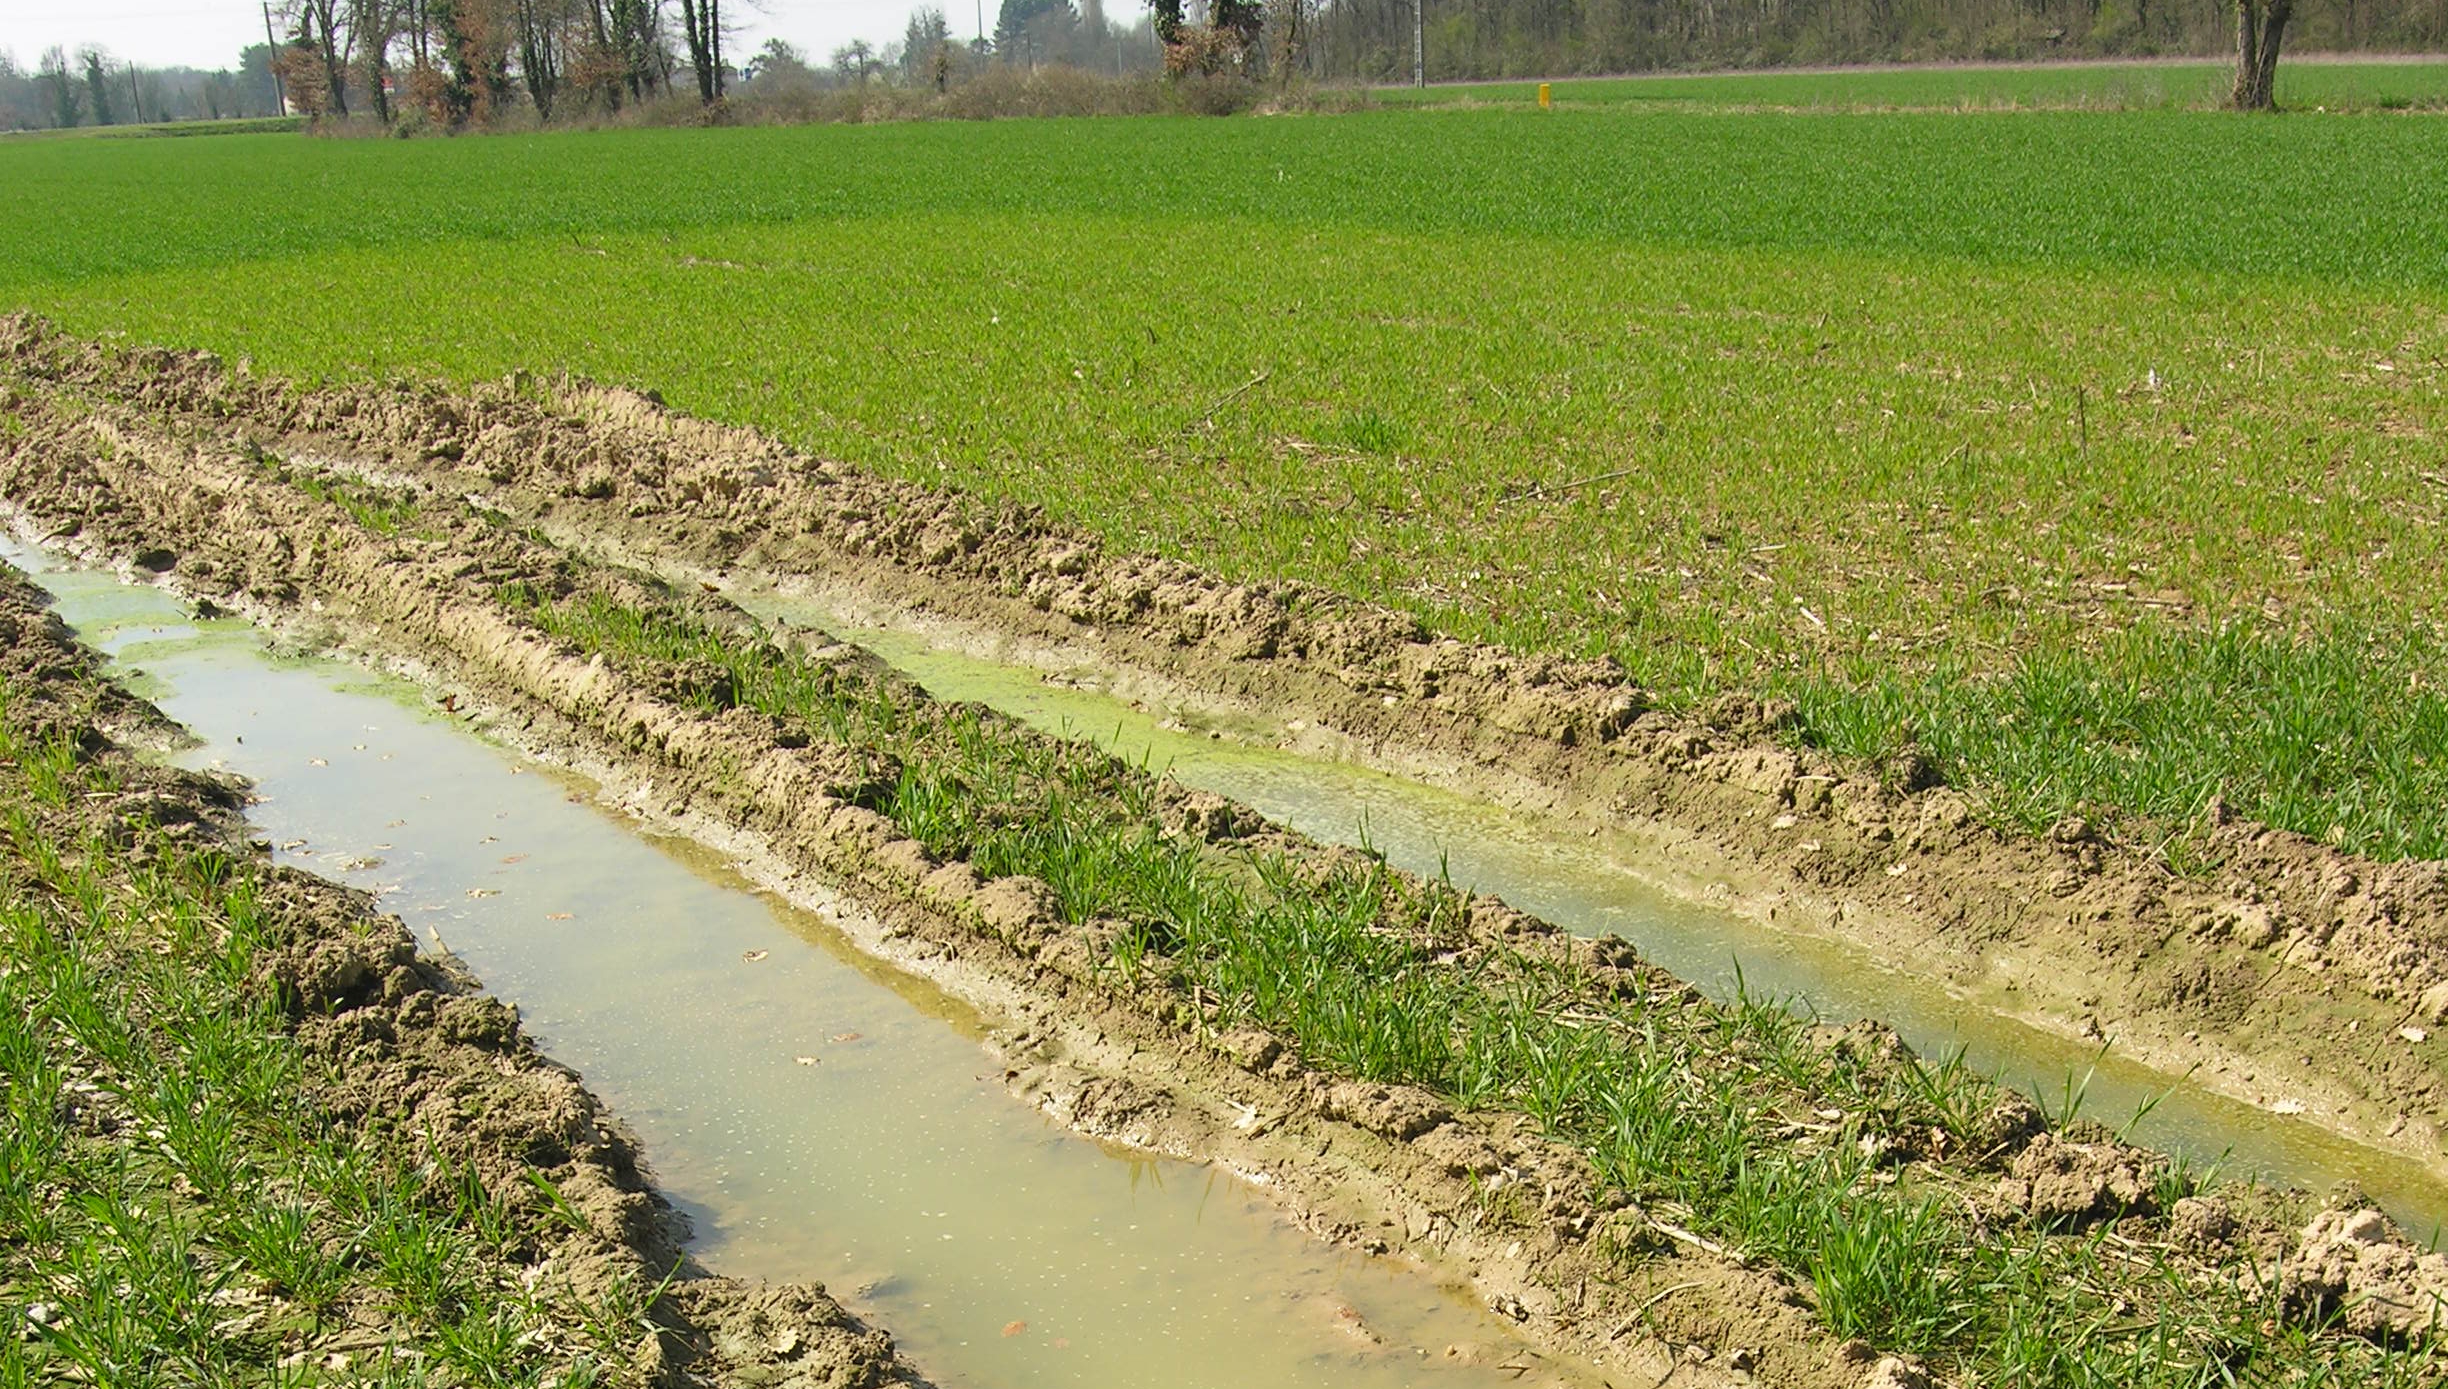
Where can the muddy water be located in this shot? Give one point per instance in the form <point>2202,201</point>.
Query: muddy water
<point>1584,884</point>
<point>816,1115</point>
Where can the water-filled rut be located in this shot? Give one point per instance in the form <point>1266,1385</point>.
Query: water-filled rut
<point>815,1114</point>
<point>1589,883</point>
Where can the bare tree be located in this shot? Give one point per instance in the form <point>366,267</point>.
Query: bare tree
<point>781,66</point>
<point>701,23</point>
<point>67,104</point>
<point>644,49</point>
<point>598,68</point>
<point>1372,39</point>
<point>1288,49</point>
<point>855,61</point>
<point>319,54</point>
<point>541,25</point>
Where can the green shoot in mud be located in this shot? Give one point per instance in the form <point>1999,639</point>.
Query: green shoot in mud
<point>383,515</point>
<point>173,1212</point>
<point>379,510</point>
<point>1735,1124</point>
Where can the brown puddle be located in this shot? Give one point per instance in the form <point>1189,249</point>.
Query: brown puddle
<point>1590,885</point>
<point>816,1114</point>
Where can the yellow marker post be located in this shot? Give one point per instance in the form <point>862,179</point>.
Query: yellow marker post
<point>1546,97</point>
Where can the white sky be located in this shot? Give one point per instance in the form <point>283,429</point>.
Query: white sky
<point>209,33</point>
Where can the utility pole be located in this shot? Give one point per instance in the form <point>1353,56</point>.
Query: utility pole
<point>1419,43</point>
<point>280,96</point>
<point>135,97</point>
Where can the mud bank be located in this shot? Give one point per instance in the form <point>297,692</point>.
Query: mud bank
<point>1110,1062</point>
<point>2293,977</point>
<point>1591,885</point>
<point>812,1112</point>
<point>119,455</point>
<point>400,1042</point>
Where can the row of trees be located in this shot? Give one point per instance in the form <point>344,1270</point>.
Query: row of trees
<point>473,62</point>
<point>1371,40</point>
<point>443,62</point>
<point>1035,33</point>
<point>91,87</point>
<point>1027,34</point>
<point>459,63</point>
<point>1379,40</point>
<point>469,62</point>
<point>455,63</point>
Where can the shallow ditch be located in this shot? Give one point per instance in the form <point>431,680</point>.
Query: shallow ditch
<point>815,1114</point>
<point>1586,884</point>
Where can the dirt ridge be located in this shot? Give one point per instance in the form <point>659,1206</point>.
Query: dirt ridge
<point>1405,1166</point>
<point>1335,1157</point>
<point>2296,978</point>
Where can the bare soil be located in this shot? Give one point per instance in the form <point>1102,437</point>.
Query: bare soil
<point>159,459</point>
<point>2284,978</point>
<point>397,1041</point>
<point>2292,976</point>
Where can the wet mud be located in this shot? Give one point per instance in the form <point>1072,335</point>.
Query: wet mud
<point>2292,977</point>
<point>1591,884</point>
<point>171,464</point>
<point>397,1037</point>
<point>811,1112</point>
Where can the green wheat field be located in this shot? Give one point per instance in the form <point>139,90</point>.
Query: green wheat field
<point>2096,453</point>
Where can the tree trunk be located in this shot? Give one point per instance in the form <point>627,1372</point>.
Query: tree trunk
<point>324,15</point>
<point>697,21</point>
<point>537,60</point>
<point>370,22</point>
<point>2258,33</point>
